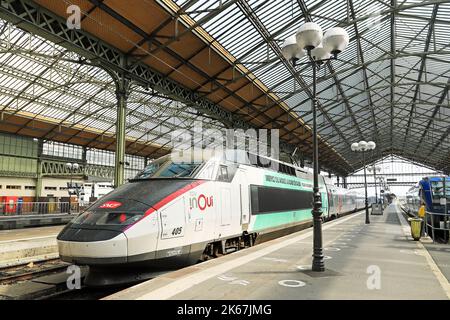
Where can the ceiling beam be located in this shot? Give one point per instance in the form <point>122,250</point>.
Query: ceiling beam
<point>421,69</point>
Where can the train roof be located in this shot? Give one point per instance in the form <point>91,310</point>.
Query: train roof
<point>437,178</point>
<point>433,179</point>
<point>232,155</point>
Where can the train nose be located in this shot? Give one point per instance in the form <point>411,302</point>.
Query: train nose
<point>111,251</point>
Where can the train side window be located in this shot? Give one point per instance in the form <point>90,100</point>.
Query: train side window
<point>207,172</point>
<point>223,174</point>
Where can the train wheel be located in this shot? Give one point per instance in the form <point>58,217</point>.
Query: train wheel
<point>216,251</point>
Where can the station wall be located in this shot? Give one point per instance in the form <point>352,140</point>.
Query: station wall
<point>26,187</point>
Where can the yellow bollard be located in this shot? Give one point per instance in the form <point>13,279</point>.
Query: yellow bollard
<point>416,227</point>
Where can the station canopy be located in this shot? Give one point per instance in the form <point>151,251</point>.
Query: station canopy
<point>220,62</point>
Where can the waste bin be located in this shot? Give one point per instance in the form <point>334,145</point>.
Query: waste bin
<point>416,227</point>
<point>377,209</point>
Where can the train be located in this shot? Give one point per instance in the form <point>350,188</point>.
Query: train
<point>181,210</point>
<point>430,193</point>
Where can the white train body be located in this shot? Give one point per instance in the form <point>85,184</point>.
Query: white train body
<point>174,214</point>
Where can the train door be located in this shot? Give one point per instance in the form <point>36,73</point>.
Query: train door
<point>173,236</point>
<point>224,205</point>
<point>241,185</point>
<point>340,203</point>
<point>173,220</point>
<point>330,203</point>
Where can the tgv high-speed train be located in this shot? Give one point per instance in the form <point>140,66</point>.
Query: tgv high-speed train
<point>179,211</point>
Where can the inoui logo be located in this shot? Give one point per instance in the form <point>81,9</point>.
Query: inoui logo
<point>74,19</point>
<point>374,280</point>
<point>202,202</point>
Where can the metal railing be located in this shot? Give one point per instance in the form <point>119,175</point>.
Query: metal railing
<point>33,208</point>
<point>443,225</point>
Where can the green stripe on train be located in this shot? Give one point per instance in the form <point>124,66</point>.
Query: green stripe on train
<point>276,219</point>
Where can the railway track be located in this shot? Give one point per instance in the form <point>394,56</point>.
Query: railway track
<point>84,293</point>
<point>27,272</point>
<point>23,275</point>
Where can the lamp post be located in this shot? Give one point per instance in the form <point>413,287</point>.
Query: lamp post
<point>320,49</point>
<point>363,146</point>
<point>375,168</point>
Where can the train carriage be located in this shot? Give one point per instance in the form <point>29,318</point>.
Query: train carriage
<point>180,210</point>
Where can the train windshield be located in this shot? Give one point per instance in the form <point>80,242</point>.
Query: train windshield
<point>165,167</point>
<point>89,218</point>
<point>437,188</point>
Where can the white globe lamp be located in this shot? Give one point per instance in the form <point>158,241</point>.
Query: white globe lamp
<point>362,145</point>
<point>309,36</point>
<point>336,40</point>
<point>291,49</point>
<point>371,145</point>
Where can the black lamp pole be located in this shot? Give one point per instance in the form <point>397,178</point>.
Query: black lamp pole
<point>365,188</point>
<point>309,37</point>
<point>317,264</point>
<point>375,180</point>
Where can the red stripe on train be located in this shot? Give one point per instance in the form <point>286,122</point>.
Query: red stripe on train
<point>167,199</point>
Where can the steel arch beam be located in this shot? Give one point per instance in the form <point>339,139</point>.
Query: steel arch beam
<point>31,17</point>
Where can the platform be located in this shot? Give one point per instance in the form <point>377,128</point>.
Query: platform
<point>22,246</point>
<point>375,261</point>
<point>36,220</point>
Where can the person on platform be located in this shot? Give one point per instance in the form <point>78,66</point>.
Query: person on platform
<point>421,214</point>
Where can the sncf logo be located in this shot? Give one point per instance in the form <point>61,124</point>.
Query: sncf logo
<point>110,205</point>
<point>201,202</point>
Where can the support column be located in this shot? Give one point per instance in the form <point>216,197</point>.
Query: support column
<point>122,97</point>
<point>344,181</point>
<point>38,189</point>
<point>84,156</point>
<point>337,177</point>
